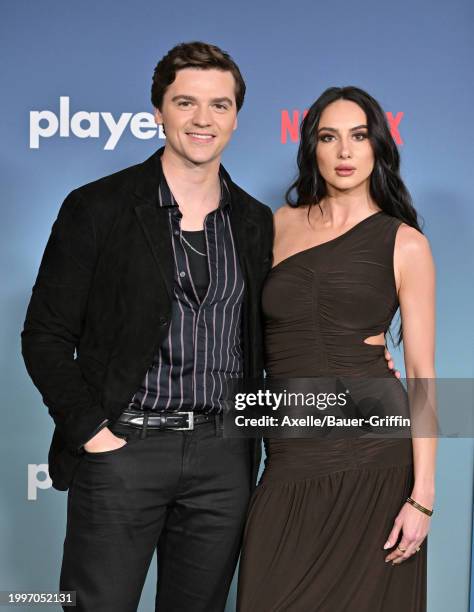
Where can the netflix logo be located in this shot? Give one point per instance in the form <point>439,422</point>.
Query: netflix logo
<point>290,125</point>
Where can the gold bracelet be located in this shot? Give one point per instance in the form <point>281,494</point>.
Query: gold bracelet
<point>419,506</point>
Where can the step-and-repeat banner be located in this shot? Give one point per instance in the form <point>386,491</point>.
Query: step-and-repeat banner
<point>75,106</point>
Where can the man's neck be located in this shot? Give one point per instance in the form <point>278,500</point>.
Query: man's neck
<point>196,187</point>
<point>190,184</point>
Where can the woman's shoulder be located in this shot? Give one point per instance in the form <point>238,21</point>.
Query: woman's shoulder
<point>407,238</point>
<point>286,214</point>
<point>411,247</point>
<point>411,239</point>
<point>282,211</point>
<point>285,219</point>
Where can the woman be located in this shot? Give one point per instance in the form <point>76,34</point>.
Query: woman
<point>330,528</point>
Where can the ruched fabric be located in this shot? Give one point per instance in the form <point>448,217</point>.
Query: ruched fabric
<point>323,509</point>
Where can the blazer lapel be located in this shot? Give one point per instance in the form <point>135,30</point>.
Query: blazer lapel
<point>246,231</point>
<point>155,226</point>
<point>153,219</point>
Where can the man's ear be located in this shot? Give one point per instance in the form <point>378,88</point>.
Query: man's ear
<point>158,117</point>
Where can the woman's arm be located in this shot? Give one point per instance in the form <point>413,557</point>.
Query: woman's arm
<point>415,279</point>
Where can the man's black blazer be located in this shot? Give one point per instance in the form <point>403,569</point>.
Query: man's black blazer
<point>101,304</point>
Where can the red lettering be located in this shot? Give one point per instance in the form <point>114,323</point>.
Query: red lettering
<point>290,126</point>
<point>393,123</point>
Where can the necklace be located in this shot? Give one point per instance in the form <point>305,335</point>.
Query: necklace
<point>191,246</point>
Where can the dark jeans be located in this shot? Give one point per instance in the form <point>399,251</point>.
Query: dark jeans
<point>184,493</point>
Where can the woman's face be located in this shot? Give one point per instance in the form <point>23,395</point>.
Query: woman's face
<point>343,152</point>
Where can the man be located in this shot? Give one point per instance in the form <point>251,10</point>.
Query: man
<point>161,303</point>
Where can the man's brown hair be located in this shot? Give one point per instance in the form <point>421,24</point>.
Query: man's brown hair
<point>194,55</point>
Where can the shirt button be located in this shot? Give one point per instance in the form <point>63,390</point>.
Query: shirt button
<point>182,274</point>
<point>163,320</point>
<point>176,232</point>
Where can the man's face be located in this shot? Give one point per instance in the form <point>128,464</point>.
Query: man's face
<point>199,114</point>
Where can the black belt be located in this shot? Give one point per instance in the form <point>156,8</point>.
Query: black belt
<point>178,421</point>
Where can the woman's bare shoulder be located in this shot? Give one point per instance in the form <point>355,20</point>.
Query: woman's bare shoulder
<point>284,209</point>
<point>412,258</point>
<point>284,215</point>
<point>410,241</point>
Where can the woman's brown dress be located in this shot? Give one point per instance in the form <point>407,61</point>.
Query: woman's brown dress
<point>324,508</point>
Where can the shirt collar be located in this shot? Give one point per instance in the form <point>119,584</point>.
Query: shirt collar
<point>166,198</point>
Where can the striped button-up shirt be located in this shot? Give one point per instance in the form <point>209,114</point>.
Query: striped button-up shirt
<point>202,351</point>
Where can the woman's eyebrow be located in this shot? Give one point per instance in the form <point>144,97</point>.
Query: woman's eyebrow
<point>330,129</point>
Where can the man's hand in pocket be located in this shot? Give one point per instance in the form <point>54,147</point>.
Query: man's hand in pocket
<point>104,441</point>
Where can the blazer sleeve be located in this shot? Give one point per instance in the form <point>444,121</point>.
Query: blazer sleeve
<point>54,322</point>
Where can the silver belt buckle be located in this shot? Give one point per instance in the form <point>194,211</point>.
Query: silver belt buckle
<point>190,422</point>
<point>137,421</point>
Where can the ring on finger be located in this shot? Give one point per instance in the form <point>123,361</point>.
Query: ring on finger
<point>402,550</point>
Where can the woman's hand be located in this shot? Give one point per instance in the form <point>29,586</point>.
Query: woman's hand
<point>414,526</point>
<point>391,363</point>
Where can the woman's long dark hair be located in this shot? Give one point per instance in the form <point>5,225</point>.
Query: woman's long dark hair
<point>387,188</point>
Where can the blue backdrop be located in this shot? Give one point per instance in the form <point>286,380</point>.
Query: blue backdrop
<point>415,58</point>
